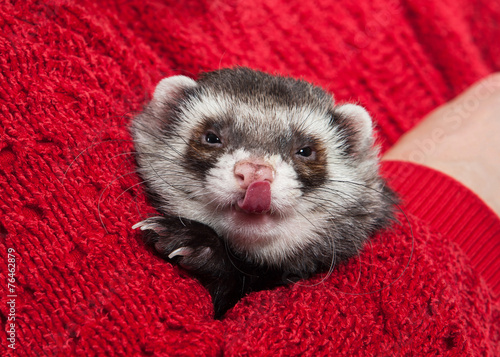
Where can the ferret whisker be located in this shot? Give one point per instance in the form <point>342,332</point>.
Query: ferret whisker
<point>332,263</point>
<point>148,133</point>
<point>129,188</point>
<point>315,198</point>
<point>339,192</point>
<point>359,257</point>
<point>354,199</point>
<point>100,198</point>
<point>159,139</point>
<point>198,195</point>
<point>116,179</point>
<point>250,156</point>
<point>306,124</point>
<point>381,192</point>
<point>231,256</point>
<point>162,179</point>
<point>139,213</point>
<point>126,162</point>
<point>331,206</point>
<point>85,151</point>
<point>174,174</point>
<point>153,154</point>
<point>174,160</point>
<point>125,153</point>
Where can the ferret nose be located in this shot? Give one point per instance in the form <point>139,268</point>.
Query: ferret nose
<point>247,172</point>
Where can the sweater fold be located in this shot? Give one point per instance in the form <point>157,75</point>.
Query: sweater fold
<point>452,210</point>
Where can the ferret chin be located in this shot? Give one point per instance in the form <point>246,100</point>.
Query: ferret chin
<point>256,177</point>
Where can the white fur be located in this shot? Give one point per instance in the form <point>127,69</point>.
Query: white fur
<point>361,119</point>
<point>296,221</point>
<point>170,86</point>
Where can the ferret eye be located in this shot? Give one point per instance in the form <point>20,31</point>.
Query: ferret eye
<point>212,138</point>
<point>305,152</point>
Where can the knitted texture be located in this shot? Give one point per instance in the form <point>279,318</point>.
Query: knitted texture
<point>73,73</point>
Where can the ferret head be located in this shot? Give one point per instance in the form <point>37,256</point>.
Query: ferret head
<point>269,163</point>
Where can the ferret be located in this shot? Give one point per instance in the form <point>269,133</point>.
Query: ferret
<point>260,180</point>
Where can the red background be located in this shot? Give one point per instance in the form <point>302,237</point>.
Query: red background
<point>73,73</point>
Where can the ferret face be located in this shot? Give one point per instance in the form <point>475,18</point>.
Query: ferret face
<point>269,163</point>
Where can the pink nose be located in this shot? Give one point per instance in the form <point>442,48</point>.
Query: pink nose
<point>249,171</point>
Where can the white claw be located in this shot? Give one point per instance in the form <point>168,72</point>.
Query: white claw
<point>149,223</point>
<point>145,225</point>
<point>182,251</point>
<point>138,224</point>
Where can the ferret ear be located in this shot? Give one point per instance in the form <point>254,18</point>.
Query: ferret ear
<point>165,96</point>
<point>358,122</point>
<point>171,87</point>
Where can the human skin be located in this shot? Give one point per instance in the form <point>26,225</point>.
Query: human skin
<point>461,139</point>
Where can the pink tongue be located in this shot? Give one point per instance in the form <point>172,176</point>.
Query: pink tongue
<point>258,197</point>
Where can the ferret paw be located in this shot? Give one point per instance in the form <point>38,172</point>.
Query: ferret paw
<point>190,244</point>
<point>179,252</point>
<point>189,258</point>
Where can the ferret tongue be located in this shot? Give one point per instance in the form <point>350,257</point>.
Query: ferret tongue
<point>257,198</point>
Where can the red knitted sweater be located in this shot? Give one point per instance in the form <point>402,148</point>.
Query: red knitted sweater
<point>72,73</point>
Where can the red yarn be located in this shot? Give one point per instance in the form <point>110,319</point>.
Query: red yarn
<point>73,72</point>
